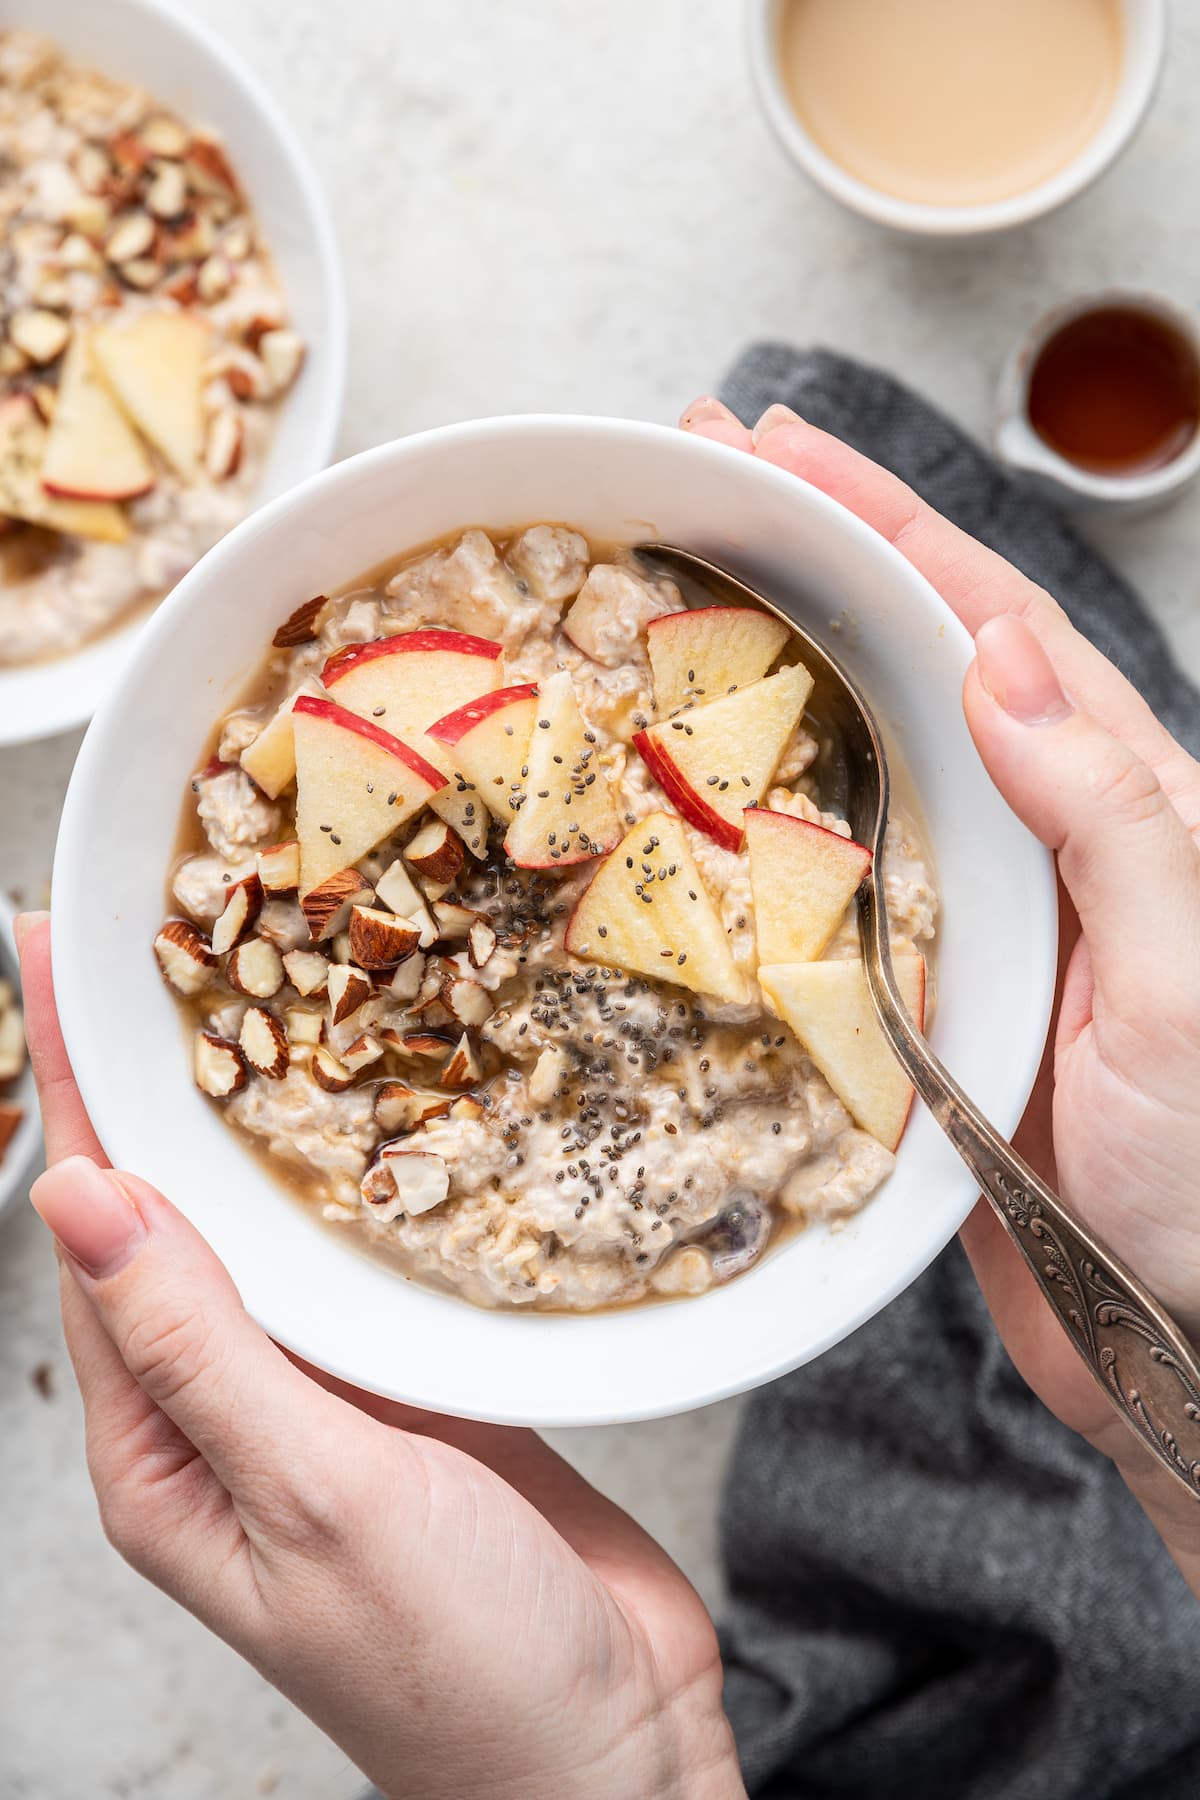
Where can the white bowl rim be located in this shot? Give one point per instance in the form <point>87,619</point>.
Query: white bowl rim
<point>1142,71</point>
<point>116,1126</point>
<point>76,711</point>
<point>26,1145</point>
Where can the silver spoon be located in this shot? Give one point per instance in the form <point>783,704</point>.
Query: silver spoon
<point>1136,1352</point>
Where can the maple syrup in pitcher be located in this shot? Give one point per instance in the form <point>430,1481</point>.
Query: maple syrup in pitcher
<point>1116,391</point>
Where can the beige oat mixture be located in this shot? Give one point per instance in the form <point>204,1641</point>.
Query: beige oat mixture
<point>144,346</point>
<point>479,944</point>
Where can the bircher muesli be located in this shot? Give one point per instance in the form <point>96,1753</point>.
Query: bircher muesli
<point>511,928</point>
<point>144,346</point>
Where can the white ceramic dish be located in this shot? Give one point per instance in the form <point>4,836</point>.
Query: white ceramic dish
<point>25,1149</point>
<point>151,44</point>
<point>313,1292</point>
<point>1145,24</point>
<point>1080,490</point>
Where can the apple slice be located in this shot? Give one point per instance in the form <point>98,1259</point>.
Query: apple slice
<point>647,911</point>
<point>270,761</point>
<point>802,878</point>
<point>355,784</point>
<point>154,364</point>
<point>828,1006</point>
<point>568,815</point>
<point>701,654</point>
<point>408,681</point>
<point>22,496</point>
<point>718,758</point>
<point>489,738</point>
<point>92,452</point>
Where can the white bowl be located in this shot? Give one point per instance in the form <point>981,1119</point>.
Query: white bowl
<point>25,1147</point>
<point>313,1292</point>
<point>182,64</point>
<point>1145,24</point>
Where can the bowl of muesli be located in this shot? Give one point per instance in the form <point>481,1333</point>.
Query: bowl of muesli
<point>462,933</point>
<point>20,1127</point>
<point>172,336</point>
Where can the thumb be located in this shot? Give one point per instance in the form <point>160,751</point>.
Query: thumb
<point>178,1325</point>
<point>1125,855</point>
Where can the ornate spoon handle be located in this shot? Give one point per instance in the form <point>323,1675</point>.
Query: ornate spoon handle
<point>1133,1347</point>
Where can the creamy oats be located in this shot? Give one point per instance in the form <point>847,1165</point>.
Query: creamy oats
<point>470,921</point>
<point>144,346</point>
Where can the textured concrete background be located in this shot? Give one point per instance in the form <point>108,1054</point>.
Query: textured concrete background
<point>563,206</point>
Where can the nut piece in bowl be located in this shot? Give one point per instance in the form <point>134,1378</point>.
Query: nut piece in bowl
<point>513,923</point>
<point>152,342</point>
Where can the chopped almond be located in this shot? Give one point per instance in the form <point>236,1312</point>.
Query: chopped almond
<point>242,906</point>
<point>40,336</point>
<point>397,1107</point>
<point>470,1003</point>
<point>279,868</point>
<point>263,1042</point>
<point>406,982</point>
<point>307,970</point>
<point>348,990</point>
<point>327,906</point>
<point>282,354</point>
<point>329,1073</point>
<point>218,1065</point>
<point>380,940</point>
<point>223,445</point>
<point>300,627</point>
<point>462,1069</point>
<point>208,169</point>
<point>255,967</point>
<point>481,941</point>
<point>436,852</point>
<point>304,1028</point>
<point>467,1107</point>
<point>361,1053</point>
<point>453,921</point>
<point>185,957</point>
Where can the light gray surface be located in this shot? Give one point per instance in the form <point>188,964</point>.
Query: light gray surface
<point>555,206</point>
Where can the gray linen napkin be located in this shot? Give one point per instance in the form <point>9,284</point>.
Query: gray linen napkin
<point>936,1590</point>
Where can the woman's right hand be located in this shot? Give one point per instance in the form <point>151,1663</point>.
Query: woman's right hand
<point>452,1603</point>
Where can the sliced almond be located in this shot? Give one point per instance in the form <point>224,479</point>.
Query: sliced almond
<point>307,970</point>
<point>188,239</point>
<point>405,1181</point>
<point>436,852</point>
<point>453,921</point>
<point>218,1066</point>
<point>550,1070</point>
<point>11,1118</point>
<point>214,278</point>
<point>397,890</point>
<point>92,167</point>
<point>185,957</point>
<point>130,238</point>
<point>142,273</point>
<point>243,904</point>
<point>40,336</point>
<point>237,243</point>
<point>328,1072</point>
<point>255,967</point>
<point>246,379</point>
<point>208,168</point>
<point>164,136</point>
<point>279,868</point>
<point>129,152</point>
<point>327,907</point>
<point>167,195</point>
<point>263,1042</point>
<point>223,444</point>
<point>301,626</point>
<point>281,354</point>
<point>462,1069</point>
<point>361,1053</point>
<point>467,1107</point>
<point>304,1028</point>
<point>380,940</point>
<point>481,941</point>
<point>406,982</point>
<point>470,1003</point>
<point>348,990</point>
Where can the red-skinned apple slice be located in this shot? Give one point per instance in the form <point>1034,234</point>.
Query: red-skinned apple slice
<point>270,761</point>
<point>717,759</point>
<point>828,1006</point>
<point>92,452</point>
<point>154,364</point>
<point>701,654</point>
<point>355,784</point>
<point>568,815</point>
<point>648,911</point>
<point>488,739</point>
<point>22,496</point>
<point>407,682</point>
<point>802,878</point>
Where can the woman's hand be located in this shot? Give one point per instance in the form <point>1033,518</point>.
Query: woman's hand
<point>456,1607</point>
<point>1078,755</point>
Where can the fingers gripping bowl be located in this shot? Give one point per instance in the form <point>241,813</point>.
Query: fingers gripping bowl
<point>617,483</point>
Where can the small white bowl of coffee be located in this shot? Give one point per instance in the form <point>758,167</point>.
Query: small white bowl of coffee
<point>946,119</point>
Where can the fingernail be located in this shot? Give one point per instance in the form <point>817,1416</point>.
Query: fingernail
<point>24,923</point>
<point>704,410</point>
<point>1018,674</point>
<point>775,415</point>
<point>90,1215</point>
